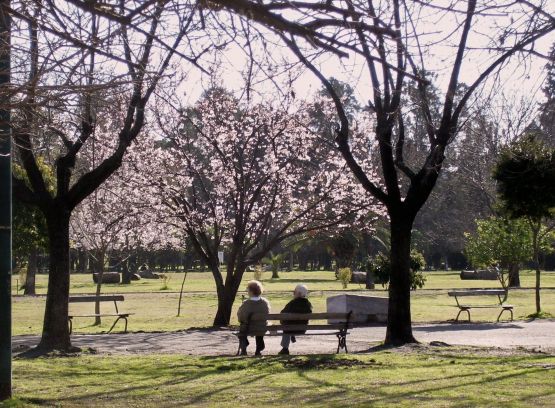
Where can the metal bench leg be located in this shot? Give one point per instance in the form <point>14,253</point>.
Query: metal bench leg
<point>114,325</point>
<point>460,311</point>
<point>70,322</point>
<point>125,330</point>
<point>341,342</point>
<point>510,310</point>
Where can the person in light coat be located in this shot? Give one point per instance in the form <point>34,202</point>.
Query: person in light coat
<point>254,304</point>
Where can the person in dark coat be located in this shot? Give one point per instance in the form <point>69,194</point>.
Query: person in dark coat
<point>299,304</point>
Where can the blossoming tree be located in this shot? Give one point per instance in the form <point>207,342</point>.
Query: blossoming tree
<point>245,178</point>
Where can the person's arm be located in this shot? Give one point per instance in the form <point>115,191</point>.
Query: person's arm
<point>241,313</point>
<point>287,308</point>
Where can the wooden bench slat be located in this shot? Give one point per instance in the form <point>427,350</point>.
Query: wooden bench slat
<point>101,298</point>
<point>309,327</point>
<point>275,333</point>
<point>476,292</point>
<point>485,306</point>
<point>298,316</point>
<point>102,315</point>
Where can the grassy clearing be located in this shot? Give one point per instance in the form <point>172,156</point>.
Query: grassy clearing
<point>427,377</point>
<point>156,310</point>
<point>317,280</point>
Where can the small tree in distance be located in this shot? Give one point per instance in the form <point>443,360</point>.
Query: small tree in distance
<point>525,173</point>
<point>500,242</point>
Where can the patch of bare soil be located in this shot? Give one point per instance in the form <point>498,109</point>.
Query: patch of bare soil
<point>326,362</point>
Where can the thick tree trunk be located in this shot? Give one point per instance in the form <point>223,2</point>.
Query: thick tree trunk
<point>225,304</point>
<point>399,326</point>
<point>126,273</point>
<point>55,332</point>
<point>29,285</point>
<point>226,297</point>
<point>514,276</point>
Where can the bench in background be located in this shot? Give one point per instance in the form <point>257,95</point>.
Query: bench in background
<point>103,298</point>
<point>500,293</point>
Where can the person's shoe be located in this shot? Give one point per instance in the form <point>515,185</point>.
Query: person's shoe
<point>284,351</point>
<point>243,353</point>
<point>258,353</point>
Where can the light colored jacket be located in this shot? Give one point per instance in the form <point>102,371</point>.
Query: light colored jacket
<point>249,306</point>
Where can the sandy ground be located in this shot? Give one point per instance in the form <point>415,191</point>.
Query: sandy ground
<point>536,335</point>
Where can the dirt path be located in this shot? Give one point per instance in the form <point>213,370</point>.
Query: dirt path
<point>539,335</point>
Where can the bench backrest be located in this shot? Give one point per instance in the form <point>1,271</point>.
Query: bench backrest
<point>101,298</point>
<point>298,316</point>
<point>477,292</point>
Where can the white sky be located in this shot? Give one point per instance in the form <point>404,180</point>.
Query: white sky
<point>518,79</point>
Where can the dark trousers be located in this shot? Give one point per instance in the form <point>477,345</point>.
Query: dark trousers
<point>244,342</point>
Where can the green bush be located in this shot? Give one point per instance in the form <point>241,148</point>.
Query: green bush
<point>380,266</point>
<point>344,276</point>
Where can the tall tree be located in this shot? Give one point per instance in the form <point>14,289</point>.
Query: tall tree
<point>525,173</point>
<point>69,58</point>
<point>390,37</point>
<point>246,178</point>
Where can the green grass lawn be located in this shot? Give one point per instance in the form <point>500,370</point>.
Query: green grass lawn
<point>422,377</point>
<point>316,280</point>
<point>156,310</point>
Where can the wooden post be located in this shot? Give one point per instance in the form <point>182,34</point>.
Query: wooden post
<point>181,294</point>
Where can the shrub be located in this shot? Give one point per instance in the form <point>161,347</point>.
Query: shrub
<point>380,266</point>
<point>345,275</point>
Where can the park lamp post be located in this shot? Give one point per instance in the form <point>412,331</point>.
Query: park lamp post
<point>5,210</point>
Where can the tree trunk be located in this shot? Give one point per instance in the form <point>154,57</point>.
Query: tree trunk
<point>55,332</point>
<point>100,265</point>
<point>227,295</point>
<point>536,226</point>
<point>514,276</point>
<point>81,261</point>
<point>29,286</point>
<point>225,304</point>
<point>399,327</point>
<point>126,273</point>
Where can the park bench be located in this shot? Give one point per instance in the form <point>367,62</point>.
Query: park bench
<point>102,298</point>
<point>337,325</point>
<point>500,293</point>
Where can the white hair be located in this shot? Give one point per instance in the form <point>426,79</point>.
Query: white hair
<point>301,290</point>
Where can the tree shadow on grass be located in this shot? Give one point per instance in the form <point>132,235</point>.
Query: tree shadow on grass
<point>467,326</point>
<point>150,382</point>
<point>379,394</point>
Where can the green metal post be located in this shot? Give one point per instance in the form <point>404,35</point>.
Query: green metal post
<point>5,209</point>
